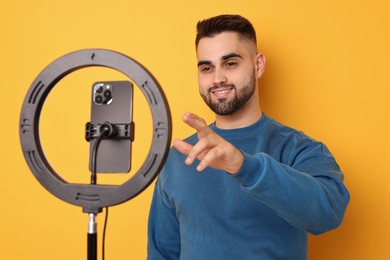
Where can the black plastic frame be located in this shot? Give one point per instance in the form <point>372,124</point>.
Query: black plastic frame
<point>92,198</point>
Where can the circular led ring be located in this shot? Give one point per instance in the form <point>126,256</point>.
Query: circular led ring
<point>92,198</point>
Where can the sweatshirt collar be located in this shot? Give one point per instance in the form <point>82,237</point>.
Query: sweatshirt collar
<point>255,128</point>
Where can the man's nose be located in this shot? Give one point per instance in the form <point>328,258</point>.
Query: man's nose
<point>219,77</point>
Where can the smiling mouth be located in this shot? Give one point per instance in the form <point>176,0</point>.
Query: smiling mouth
<point>221,91</point>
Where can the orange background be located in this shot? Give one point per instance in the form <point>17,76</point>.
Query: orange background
<point>327,73</point>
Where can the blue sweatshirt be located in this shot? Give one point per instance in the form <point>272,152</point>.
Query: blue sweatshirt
<point>288,185</point>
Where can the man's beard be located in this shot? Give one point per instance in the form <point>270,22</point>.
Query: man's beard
<point>225,106</point>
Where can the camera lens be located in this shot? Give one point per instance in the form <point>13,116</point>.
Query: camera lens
<point>107,93</point>
<point>99,90</point>
<point>98,99</point>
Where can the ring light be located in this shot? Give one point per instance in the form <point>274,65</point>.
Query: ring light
<point>92,198</point>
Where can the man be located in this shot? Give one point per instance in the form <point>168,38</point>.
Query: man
<point>245,187</point>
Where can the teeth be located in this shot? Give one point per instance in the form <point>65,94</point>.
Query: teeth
<point>221,92</point>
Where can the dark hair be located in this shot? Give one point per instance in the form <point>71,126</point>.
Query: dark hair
<point>225,23</point>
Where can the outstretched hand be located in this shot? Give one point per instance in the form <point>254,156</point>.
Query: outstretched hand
<point>211,149</point>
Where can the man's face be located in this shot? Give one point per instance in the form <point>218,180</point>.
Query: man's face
<point>227,72</point>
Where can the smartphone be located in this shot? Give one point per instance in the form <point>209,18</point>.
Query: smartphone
<point>112,101</point>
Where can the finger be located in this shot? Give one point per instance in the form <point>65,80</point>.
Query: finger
<point>196,122</point>
<point>198,151</point>
<point>182,146</point>
<point>208,159</point>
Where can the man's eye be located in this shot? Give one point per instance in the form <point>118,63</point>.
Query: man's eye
<point>231,64</point>
<point>205,69</point>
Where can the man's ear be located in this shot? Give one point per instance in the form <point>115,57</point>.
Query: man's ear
<point>260,64</point>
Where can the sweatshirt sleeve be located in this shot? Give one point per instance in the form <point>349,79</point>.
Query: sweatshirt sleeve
<point>308,194</point>
<point>163,229</point>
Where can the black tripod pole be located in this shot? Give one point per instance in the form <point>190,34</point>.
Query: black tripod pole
<point>92,237</point>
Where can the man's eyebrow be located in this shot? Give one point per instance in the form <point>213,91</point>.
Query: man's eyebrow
<point>204,62</point>
<point>231,55</point>
<point>223,58</point>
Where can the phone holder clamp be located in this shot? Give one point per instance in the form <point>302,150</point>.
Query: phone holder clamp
<point>112,131</point>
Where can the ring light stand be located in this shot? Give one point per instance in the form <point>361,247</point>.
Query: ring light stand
<point>93,198</point>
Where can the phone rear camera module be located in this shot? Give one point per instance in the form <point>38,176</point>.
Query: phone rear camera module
<point>102,94</point>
